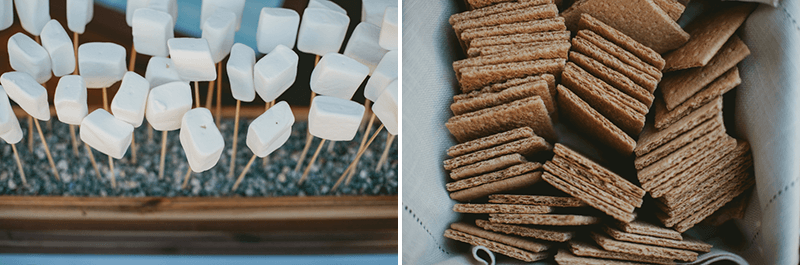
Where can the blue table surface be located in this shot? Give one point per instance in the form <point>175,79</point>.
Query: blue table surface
<point>37,259</point>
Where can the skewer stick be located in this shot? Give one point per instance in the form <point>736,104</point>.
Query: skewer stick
<point>132,64</point>
<point>91,159</point>
<point>360,147</point>
<point>241,176</point>
<point>30,133</point>
<point>105,99</point>
<point>311,162</point>
<point>367,111</point>
<point>210,94</point>
<point>131,68</point>
<point>186,178</point>
<point>111,171</point>
<point>218,112</point>
<point>19,165</point>
<point>149,132</point>
<point>163,154</point>
<point>235,138</point>
<point>309,137</point>
<point>133,146</point>
<point>47,149</point>
<point>74,139</point>
<point>75,45</point>
<point>385,155</point>
<point>196,95</point>
<point>352,166</point>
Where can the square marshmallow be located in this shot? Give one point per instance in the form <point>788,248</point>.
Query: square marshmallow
<point>388,38</point>
<point>131,7</point>
<point>25,55</point>
<point>151,29</point>
<point>363,45</point>
<point>218,31</point>
<point>334,118</point>
<point>326,4</point>
<point>167,6</point>
<point>338,76</point>
<point>79,13</point>
<point>59,46</point>
<point>166,105</point>
<point>321,31</point>
<point>101,63</point>
<point>372,10</point>
<point>192,58</point>
<point>6,14</point>
<point>201,140</point>
<point>130,101</point>
<point>160,71</point>
<point>29,94</point>
<point>270,131</point>
<point>240,72</point>
<point>33,14</point>
<point>70,100</point>
<point>107,134</point>
<point>209,6</point>
<point>385,108</point>
<point>382,76</point>
<point>275,73</point>
<point>9,125</point>
<point>276,26</point>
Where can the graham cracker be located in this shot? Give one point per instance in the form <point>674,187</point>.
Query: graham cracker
<point>711,208</point>
<point>687,244</point>
<point>493,176</point>
<point>586,249</point>
<point>544,219</point>
<point>476,77</point>
<point>542,200</point>
<point>495,9</point>
<point>708,160</point>
<point>490,141</point>
<point>517,15</point>
<point>654,174</point>
<point>551,24</point>
<point>651,138</point>
<point>641,51</point>
<point>673,9</point>
<point>495,247</point>
<point>483,167</point>
<point>476,4</point>
<point>520,39</point>
<point>722,85</point>
<point>648,229</point>
<point>645,250</point>
<point>528,112</point>
<point>491,99</point>
<point>598,171</point>
<point>495,49</point>
<point>590,199</point>
<point>549,234</point>
<point>592,122</point>
<point>620,54</point>
<point>735,209</point>
<point>678,87</point>
<point>708,177</point>
<point>505,185</point>
<point>709,32</point>
<point>714,124</point>
<point>523,146</point>
<point>501,208</point>
<point>517,242</point>
<point>553,51</point>
<point>619,108</point>
<point>614,78</point>
<point>565,257</point>
<point>585,47</point>
<point>591,184</point>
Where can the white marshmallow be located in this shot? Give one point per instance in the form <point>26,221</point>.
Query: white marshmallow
<point>168,6</point>
<point>209,6</point>
<point>58,44</point>
<point>363,45</point>
<point>218,31</point>
<point>388,38</point>
<point>107,134</point>
<point>29,94</point>
<point>372,10</point>
<point>33,14</point>
<point>334,118</point>
<point>131,99</point>
<point>192,59</point>
<point>9,125</point>
<point>70,100</point>
<point>101,63</point>
<point>385,108</point>
<point>160,71</point>
<point>25,55</point>
<point>151,29</point>
<point>327,5</point>
<point>276,26</point>
<point>321,31</point>
<point>270,131</point>
<point>338,76</point>
<point>131,7</point>
<point>79,13</point>
<point>275,73</point>
<point>240,72</point>
<point>166,104</point>
<point>201,140</point>
<point>6,14</point>
<point>382,76</point>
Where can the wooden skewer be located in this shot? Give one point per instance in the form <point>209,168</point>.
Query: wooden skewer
<point>75,45</point>
<point>367,111</point>
<point>30,133</point>
<point>91,159</point>
<point>186,178</point>
<point>235,138</point>
<point>111,171</point>
<point>309,137</point>
<point>210,94</point>
<point>163,154</point>
<point>311,162</point>
<point>131,68</point>
<point>133,59</point>
<point>133,146</point>
<point>360,147</point>
<point>241,176</point>
<point>105,99</point>
<point>47,149</point>
<point>19,165</point>
<point>150,132</point>
<point>74,139</point>
<point>219,100</point>
<point>196,95</point>
<point>352,166</point>
<point>385,155</point>
<point>331,144</point>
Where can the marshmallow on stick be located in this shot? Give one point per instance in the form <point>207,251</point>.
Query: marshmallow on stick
<point>218,30</point>
<point>58,45</point>
<point>275,73</point>
<point>192,59</point>
<point>33,14</point>
<point>267,133</point>
<point>70,100</point>
<point>101,63</point>
<point>131,7</point>
<point>388,37</point>
<point>334,118</point>
<point>240,73</point>
<point>6,14</point>
<point>338,76</point>
<point>385,108</point>
<point>161,70</point>
<point>363,45</point>
<point>276,26</point>
<point>151,29</point>
<point>79,13</point>
<point>384,73</point>
<point>372,10</point>
<point>10,130</point>
<point>131,99</point>
<point>166,105</point>
<point>168,6</point>
<point>106,133</point>
<point>201,140</point>
<point>321,31</point>
<point>208,8</point>
<point>25,55</point>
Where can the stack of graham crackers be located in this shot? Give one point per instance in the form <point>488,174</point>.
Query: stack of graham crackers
<point>685,159</point>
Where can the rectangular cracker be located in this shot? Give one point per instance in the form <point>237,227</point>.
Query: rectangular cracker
<point>709,32</point>
<point>518,242</point>
<point>612,77</point>
<point>711,208</point>
<point>548,234</point>
<point>654,174</point>
<point>517,15</point>
<point>620,54</point>
<point>519,39</point>
<point>495,9</point>
<point>687,244</point>
<point>586,249</point>
<point>708,160</point>
<point>641,51</point>
<point>529,112</point>
<point>523,146</point>
<point>505,185</point>
<point>714,124</point>
<point>708,177</point>
<point>673,9</point>
<point>589,120</point>
<point>494,176</point>
<point>553,51</point>
<point>501,208</point>
<point>534,26</point>
<point>565,257</point>
<point>480,168</point>
<point>550,79</point>
<point>586,47</point>
<point>490,141</point>
<point>544,219</point>
<point>542,200</point>
<point>680,86</point>
<point>734,209</point>
<point>488,100</point>
<point>722,85</point>
<point>495,247</point>
<point>476,77</point>
<point>651,138</point>
<point>603,190</point>
<point>590,199</point>
<point>598,171</point>
<point>645,250</point>
<point>644,228</point>
<point>495,49</point>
